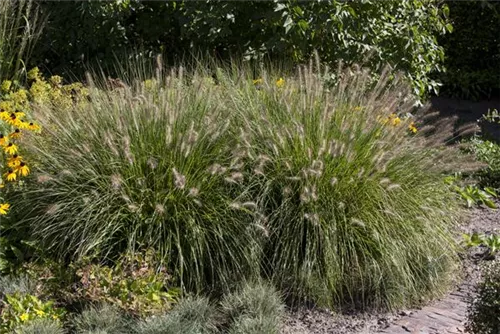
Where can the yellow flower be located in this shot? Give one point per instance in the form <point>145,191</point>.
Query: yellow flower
<point>280,82</point>
<point>20,114</point>
<point>34,73</point>
<point>412,128</point>
<point>4,115</point>
<point>10,175</point>
<point>23,169</point>
<point>6,84</point>
<point>55,80</point>
<point>40,313</point>
<point>3,140</point>
<point>14,161</point>
<point>22,125</point>
<point>10,148</point>
<point>24,317</point>
<point>396,121</point>
<point>33,127</point>
<point>15,134</point>
<point>4,208</point>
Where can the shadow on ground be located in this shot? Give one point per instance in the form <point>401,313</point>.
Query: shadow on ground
<point>466,112</point>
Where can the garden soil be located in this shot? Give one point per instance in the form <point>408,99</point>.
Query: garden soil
<point>446,315</point>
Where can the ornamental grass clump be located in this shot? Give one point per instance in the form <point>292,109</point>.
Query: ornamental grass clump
<point>356,211</point>
<point>334,192</point>
<point>142,166</point>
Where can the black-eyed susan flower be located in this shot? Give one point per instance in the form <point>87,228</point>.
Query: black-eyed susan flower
<point>3,140</point>
<point>4,207</point>
<point>10,148</point>
<point>10,175</point>
<point>280,82</point>
<point>396,121</point>
<point>19,114</point>
<point>14,161</point>
<point>15,134</point>
<point>412,128</point>
<point>4,115</point>
<point>23,125</point>
<point>33,127</point>
<point>23,169</point>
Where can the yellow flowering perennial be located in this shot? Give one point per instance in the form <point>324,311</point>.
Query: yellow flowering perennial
<point>15,107</point>
<point>280,82</point>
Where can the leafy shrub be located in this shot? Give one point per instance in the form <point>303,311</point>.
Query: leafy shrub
<point>489,153</point>
<point>484,311</point>
<point>41,326</point>
<point>20,27</point>
<point>472,50</point>
<point>332,183</point>
<point>101,319</point>
<point>21,308</point>
<point>254,308</point>
<point>190,316</point>
<point>132,284</point>
<point>339,30</point>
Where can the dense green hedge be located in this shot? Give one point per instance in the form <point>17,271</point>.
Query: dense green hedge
<point>472,50</point>
<point>78,32</point>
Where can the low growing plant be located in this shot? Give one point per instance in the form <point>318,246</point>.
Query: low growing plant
<point>190,316</point>
<point>484,310</point>
<point>132,284</point>
<point>22,308</point>
<point>41,326</point>
<point>103,318</point>
<point>474,195</point>
<point>491,242</point>
<point>254,308</point>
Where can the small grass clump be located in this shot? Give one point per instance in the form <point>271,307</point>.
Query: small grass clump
<point>41,326</point>
<point>101,319</point>
<point>254,308</point>
<point>190,316</point>
<point>332,191</point>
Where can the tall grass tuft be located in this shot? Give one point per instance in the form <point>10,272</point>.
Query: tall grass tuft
<point>354,206</point>
<point>20,27</point>
<point>320,186</point>
<point>144,166</point>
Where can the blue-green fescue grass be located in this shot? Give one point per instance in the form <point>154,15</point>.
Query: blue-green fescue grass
<point>223,178</point>
<point>20,27</point>
<point>190,316</point>
<point>41,326</point>
<point>256,307</point>
<point>101,319</point>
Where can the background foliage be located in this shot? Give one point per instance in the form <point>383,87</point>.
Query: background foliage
<point>79,32</point>
<point>472,50</point>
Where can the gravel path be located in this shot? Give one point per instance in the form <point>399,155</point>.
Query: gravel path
<point>443,316</point>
